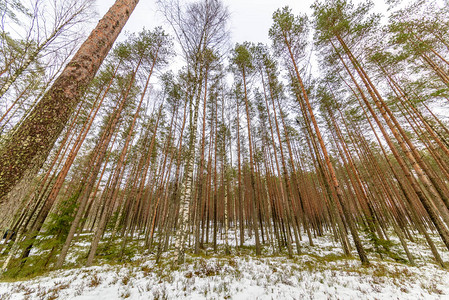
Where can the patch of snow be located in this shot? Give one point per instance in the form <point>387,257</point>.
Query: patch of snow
<point>320,272</point>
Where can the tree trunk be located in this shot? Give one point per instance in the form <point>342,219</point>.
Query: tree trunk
<point>27,149</point>
<point>334,180</point>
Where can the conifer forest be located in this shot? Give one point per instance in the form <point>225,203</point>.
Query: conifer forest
<point>175,163</point>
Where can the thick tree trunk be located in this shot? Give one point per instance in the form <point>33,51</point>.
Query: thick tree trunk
<point>27,149</point>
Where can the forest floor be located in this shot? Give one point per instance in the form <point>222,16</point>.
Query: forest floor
<point>320,272</point>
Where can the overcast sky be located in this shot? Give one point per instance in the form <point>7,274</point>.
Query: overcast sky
<point>250,19</point>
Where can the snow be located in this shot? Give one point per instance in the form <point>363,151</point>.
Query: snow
<point>320,272</point>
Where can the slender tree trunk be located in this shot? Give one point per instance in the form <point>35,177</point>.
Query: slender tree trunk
<point>86,189</point>
<point>120,164</point>
<point>251,163</point>
<point>346,211</point>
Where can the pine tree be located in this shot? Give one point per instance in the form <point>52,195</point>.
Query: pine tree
<point>27,148</point>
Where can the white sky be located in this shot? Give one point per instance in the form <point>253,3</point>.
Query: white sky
<point>250,19</point>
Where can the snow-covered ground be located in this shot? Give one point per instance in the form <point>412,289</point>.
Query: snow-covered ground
<point>319,273</point>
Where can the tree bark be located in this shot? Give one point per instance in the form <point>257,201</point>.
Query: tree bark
<point>27,149</point>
